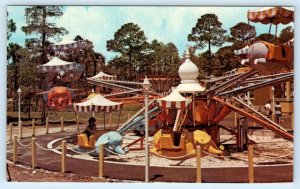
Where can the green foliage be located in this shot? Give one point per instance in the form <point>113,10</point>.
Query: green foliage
<point>208,31</point>
<point>225,60</point>
<point>286,34</point>
<point>130,42</point>
<point>138,57</point>
<point>242,33</point>
<point>39,25</point>
<point>11,28</point>
<point>268,38</point>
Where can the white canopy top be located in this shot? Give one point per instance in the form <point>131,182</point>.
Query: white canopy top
<point>174,99</point>
<point>65,42</point>
<point>56,65</point>
<point>57,62</point>
<point>98,104</point>
<point>274,15</point>
<point>102,75</point>
<point>174,96</point>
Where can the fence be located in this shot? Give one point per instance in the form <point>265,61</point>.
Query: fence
<point>110,120</point>
<point>64,149</point>
<point>34,145</point>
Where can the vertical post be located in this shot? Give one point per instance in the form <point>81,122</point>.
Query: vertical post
<point>146,86</point>
<point>47,125</point>
<point>110,120</point>
<point>254,123</point>
<point>63,156</point>
<point>146,139</point>
<point>33,151</point>
<point>199,174</point>
<point>288,89</point>
<point>250,164</point>
<point>101,160</point>
<point>19,112</point>
<point>128,115</point>
<point>62,123</point>
<point>77,123</point>
<point>194,111</point>
<point>273,104</point>
<point>235,119</point>
<point>33,127</point>
<point>10,131</point>
<point>20,130</point>
<point>15,149</point>
<point>104,121</point>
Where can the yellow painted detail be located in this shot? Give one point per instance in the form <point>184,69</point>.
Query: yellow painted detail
<point>212,150</point>
<point>201,137</point>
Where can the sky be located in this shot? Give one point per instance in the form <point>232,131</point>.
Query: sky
<point>164,23</point>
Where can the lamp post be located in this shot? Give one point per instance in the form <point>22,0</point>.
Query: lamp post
<point>273,104</point>
<point>19,111</point>
<point>146,85</point>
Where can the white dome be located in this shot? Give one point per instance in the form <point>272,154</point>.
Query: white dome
<point>188,71</point>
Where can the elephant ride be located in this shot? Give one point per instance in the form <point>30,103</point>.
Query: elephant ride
<point>112,140</point>
<point>265,57</point>
<point>180,140</point>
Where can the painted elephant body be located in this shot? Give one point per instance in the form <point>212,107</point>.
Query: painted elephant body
<point>268,58</point>
<point>112,143</point>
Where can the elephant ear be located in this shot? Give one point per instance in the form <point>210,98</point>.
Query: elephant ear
<point>102,140</point>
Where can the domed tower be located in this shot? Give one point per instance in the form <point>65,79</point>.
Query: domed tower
<point>188,72</point>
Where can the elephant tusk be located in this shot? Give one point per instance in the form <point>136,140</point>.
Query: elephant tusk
<point>213,150</point>
<point>119,150</point>
<point>260,60</point>
<point>244,61</point>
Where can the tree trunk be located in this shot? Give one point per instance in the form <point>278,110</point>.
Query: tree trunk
<point>44,58</point>
<point>15,87</point>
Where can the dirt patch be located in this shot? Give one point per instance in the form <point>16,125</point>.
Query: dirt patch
<point>24,174</point>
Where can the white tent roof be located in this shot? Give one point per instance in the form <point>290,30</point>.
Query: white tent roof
<point>174,99</point>
<point>174,96</point>
<point>57,62</point>
<point>102,75</point>
<point>65,42</point>
<point>98,104</point>
<point>56,65</point>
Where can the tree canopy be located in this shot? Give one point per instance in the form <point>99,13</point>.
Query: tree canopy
<point>207,32</point>
<point>242,33</point>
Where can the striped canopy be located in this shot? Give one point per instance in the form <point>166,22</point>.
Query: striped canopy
<point>274,15</point>
<point>56,65</point>
<point>104,76</point>
<point>242,51</point>
<point>97,104</point>
<point>66,44</point>
<point>174,100</point>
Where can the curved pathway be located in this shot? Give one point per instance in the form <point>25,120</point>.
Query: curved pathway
<point>48,160</point>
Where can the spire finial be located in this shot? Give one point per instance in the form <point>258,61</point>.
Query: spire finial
<point>187,52</point>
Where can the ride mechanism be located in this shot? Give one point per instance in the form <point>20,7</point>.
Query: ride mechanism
<point>191,114</point>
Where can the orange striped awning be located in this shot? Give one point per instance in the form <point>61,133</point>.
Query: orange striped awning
<point>274,15</point>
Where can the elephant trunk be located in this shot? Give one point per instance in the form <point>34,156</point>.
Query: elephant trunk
<point>119,150</point>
